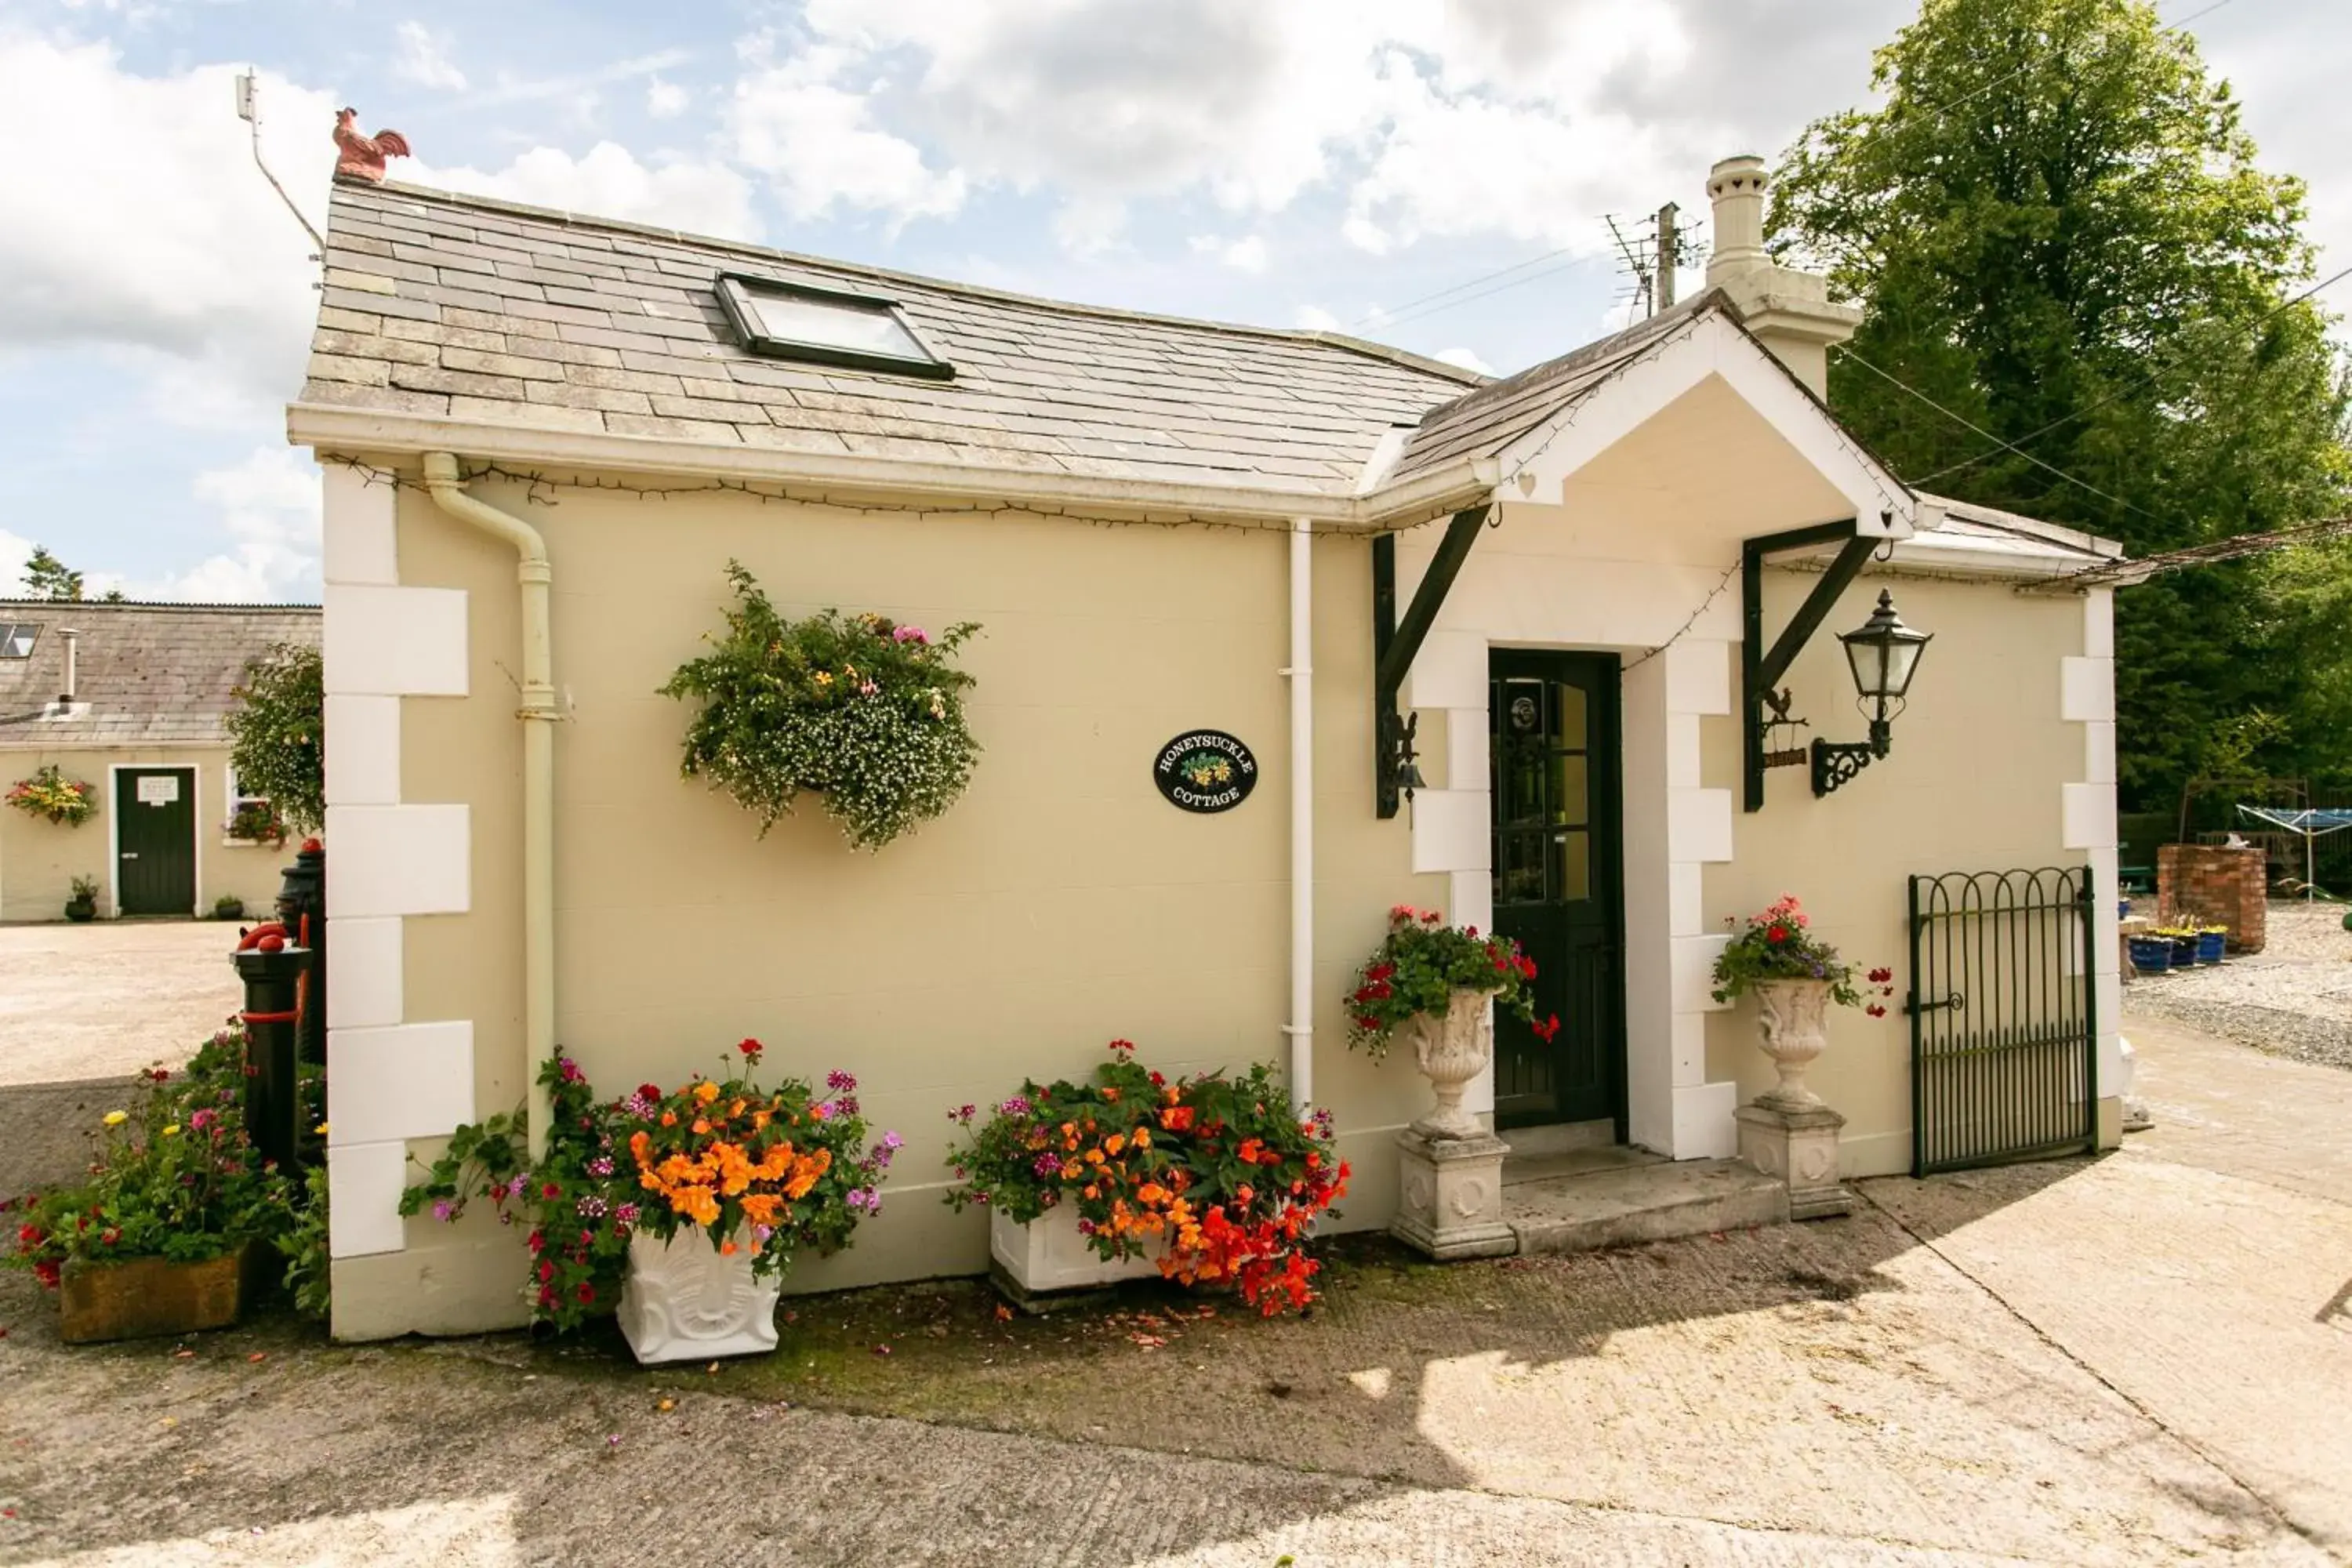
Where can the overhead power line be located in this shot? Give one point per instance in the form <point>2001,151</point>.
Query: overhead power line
<point>2128,388</point>
<point>2236,547</point>
<point>1903,386</point>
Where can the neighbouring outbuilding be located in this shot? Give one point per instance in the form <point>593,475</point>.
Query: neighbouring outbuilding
<point>114,758</point>
<point>1275,630</point>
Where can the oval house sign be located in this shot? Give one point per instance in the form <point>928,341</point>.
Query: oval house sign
<point>1205,771</point>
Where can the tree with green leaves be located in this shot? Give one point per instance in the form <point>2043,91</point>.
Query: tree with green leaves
<point>2058,225</point>
<point>278,734</point>
<point>46,577</point>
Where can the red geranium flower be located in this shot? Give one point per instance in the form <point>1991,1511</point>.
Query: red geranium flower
<point>1548,1029</point>
<point>750,1049</point>
<point>1777,933</point>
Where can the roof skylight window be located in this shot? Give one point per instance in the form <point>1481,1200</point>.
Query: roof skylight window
<point>825,326</point>
<point>16,638</point>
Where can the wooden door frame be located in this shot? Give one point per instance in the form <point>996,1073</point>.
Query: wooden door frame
<point>114,772</point>
<point>1605,787</point>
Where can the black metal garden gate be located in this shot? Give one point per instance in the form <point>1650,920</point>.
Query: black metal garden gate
<point>2003,1009</point>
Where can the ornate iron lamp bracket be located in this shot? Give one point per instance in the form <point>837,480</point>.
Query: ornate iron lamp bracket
<point>1760,669</point>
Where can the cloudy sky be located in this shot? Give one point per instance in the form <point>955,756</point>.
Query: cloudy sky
<point>1317,163</point>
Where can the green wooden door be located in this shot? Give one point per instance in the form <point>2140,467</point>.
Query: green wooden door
<point>155,840</point>
<point>1553,745</point>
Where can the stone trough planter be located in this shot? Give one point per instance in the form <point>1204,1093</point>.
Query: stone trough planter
<point>1046,1264</point>
<point>156,1297</point>
<point>685,1300</point>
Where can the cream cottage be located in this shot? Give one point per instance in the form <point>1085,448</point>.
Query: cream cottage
<point>1278,629</point>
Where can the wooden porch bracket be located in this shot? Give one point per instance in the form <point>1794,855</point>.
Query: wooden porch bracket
<point>1760,669</point>
<point>1396,643</point>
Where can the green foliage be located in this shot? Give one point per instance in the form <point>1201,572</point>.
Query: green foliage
<point>171,1175</point>
<point>278,735</point>
<point>858,709</point>
<point>84,890</point>
<point>309,1274</point>
<point>2060,230</point>
<point>1422,962</point>
<point>46,577</point>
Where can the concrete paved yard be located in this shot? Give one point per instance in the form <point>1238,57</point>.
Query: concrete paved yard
<point>2140,1359</point>
<point>106,999</point>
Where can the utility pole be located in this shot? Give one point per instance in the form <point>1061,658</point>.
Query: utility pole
<point>1669,253</point>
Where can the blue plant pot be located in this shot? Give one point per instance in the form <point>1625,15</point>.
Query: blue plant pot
<point>2210,944</point>
<point>2151,954</point>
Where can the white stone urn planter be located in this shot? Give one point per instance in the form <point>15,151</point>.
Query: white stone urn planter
<point>1790,1014</point>
<point>684,1300</point>
<point>1048,1254</point>
<point>1451,1048</point>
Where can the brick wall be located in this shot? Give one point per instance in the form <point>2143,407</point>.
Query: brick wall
<point>2223,886</point>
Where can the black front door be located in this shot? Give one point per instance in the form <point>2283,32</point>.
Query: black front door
<point>155,840</point>
<point>1553,742</point>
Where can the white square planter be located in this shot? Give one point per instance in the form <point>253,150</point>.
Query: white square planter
<point>1048,1254</point>
<point>684,1300</point>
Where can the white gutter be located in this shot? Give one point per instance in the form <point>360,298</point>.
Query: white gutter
<point>1421,499</point>
<point>1300,1030</point>
<point>539,715</point>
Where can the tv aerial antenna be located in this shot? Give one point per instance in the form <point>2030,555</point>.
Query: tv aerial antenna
<point>248,108</point>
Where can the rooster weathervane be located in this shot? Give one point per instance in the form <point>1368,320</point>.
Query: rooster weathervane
<point>364,156</point>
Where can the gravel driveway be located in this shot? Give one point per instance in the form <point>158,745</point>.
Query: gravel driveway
<point>2294,998</point>
<point>107,999</point>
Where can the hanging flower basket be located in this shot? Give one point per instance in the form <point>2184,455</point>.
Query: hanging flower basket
<point>858,709</point>
<point>48,793</point>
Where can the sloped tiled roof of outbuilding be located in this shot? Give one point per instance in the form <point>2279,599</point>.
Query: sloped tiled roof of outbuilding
<point>150,675</point>
<point>1482,423</point>
<point>479,310</point>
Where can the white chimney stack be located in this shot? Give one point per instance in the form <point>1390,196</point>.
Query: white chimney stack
<point>1789,311</point>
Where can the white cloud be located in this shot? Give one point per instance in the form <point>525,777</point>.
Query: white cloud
<point>143,227</point>
<point>424,60</point>
<point>1316,319</point>
<point>811,131</point>
<point>1089,227</point>
<point>509,87</point>
<point>608,180</point>
<point>1246,254</point>
<point>268,507</point>
<point>1467,358</point>
<point>1127,97</point>
<point>665,99</point>
<point>14,550</point>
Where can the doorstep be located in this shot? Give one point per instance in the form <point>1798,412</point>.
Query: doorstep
<point>1579,1199</point>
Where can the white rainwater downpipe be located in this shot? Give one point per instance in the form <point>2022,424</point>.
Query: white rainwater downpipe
<point>1300,1030</point>
<point>445,483</point>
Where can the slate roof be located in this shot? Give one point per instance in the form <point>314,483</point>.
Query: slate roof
<point>1482,423</point>
<point>485,310</point>
<point>152,675</point>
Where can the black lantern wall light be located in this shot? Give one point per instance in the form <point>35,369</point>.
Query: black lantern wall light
<point>1882,653</point>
